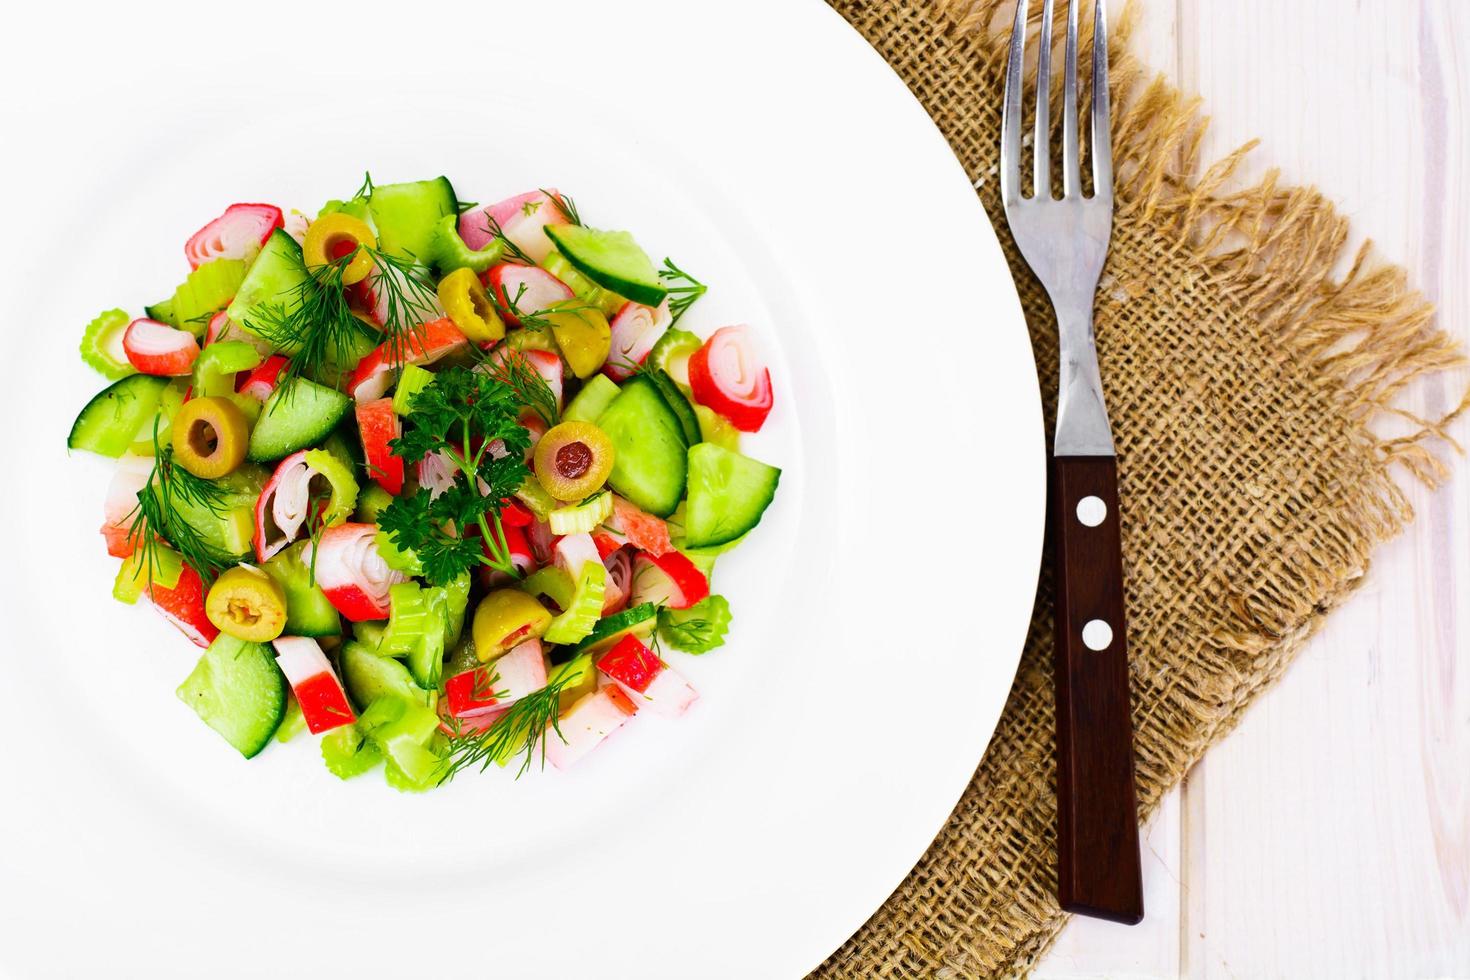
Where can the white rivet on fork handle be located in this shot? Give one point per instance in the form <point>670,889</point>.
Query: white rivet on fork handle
<point>1097,635</point>
<point>1092,511</point>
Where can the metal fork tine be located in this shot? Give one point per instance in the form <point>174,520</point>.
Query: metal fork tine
<point>1071,160</point>
<point>1102,133</point>
<point>1010,126</point>
<point>1042,137</point>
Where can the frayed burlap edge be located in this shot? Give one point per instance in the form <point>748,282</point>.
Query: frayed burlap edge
<point>1268,253</point>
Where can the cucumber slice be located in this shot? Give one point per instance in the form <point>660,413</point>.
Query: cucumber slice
<point>109,422</point>
<point>728,493</point>
<point>227,526</point>
<point>612,260</point>
<point>237,689</point>
<point>596,394</point>
<point>308,611</point>
<point>102,349</point>
<point>640,621</point>
<point>368,677</point>
<point>276,278</point>
<point>585,289</point>
<point>162,311</point>
<point>407,216</point>
<point>298,414</point>
<point>680,404</point>
<point>649,449</point>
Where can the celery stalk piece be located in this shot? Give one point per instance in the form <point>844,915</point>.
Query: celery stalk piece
<point>698,629</point>
<point>205,292</point>
<point>132,576</point>
<point>584,517</point>
<point>399,559</point>
<point>536,499</point>
<point>102,348</point>
<point>371,502</point>
<point>450,251</point>
<point>714,428</point>
<point>343,484</point>
<point>412,380</point>
<point>217,365</point>
<point>294,722</point>
<point>348,752</point>
<point>409,620</point>
<point>585,607</point>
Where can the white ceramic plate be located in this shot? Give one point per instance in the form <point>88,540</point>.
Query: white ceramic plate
<point>879,609</point>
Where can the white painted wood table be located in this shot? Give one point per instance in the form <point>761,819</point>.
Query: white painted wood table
<point>1329,836</point>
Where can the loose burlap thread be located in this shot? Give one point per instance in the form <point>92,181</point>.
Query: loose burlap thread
<point>1248,390</point>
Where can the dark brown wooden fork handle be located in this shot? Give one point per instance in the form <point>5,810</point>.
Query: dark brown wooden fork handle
<point>1097,813</point>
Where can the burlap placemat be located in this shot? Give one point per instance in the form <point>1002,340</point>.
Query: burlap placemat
<point>1248,390</point>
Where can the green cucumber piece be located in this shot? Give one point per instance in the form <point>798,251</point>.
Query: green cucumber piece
<point>205,292</point>
<point>368,676</point>
<point>102,349</point>
<point>134,573</point>
<point>109,422</point>
<point>612,260</point>
<point>298,414</point>
<point>649,448</point>
<point>676,400</point>
<point>276,279</point>
<point>728,493</point>
<point>308,611</point>
<point>370,503</point>
<point>597,393</point>
<point>638,621</point>
<point>162,311</point>
<point>407,216</point>
<point>585,289</point>
<point>237,689</point>
<point>226,527</point>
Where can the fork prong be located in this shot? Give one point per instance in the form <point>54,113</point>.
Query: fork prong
<point>1071,160</point>
<point>1102,133</point>
<point>1042,136</point>
<point>1010,125</point>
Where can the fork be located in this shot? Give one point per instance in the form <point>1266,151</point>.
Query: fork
<point>1065,241</point>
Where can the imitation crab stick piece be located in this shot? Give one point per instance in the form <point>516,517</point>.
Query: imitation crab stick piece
<point>378,425</point>
<point>128,480</point>
<point>544,363</point>
<point>669,579</point>
<point>529,288</point>
<point>262,380</point>
<point>323,701</point>
<point>572,551</point>
<point>424,344</point>
<point>377,302</point>
<point>586,725</point>
<point>726,375</point>
<point>183,605</point>
<point>159,349</point>
<point>635,330</point>
<point>619,585</point>
<point>639,528</point>
<point>521,220</point>
<point>236,234</point>
<point>499,684</point>
<point>351,572</point>
<point>646,679</point>
<point>284,504</point>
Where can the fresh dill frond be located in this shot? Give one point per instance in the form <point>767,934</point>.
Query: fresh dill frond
<point>522,729</point>
<point>366,190</point>
<point>514,370</point>
<point>460,207</point>
<point>533,319</point>
<point>156,518</point>
<point>565,205</point>
<point>681,296</point>
<point>512,250</point>
<point>317,325</point>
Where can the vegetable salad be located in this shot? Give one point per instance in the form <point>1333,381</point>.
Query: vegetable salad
<point>439,482</point>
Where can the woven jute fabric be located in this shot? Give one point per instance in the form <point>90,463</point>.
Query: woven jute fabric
<point>1254,397</point>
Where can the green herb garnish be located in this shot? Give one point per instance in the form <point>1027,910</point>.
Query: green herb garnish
<point>521,729</point>
<point>157,517</point>
<point>681,297</point>
<point>471,419</point>
<point>565,205</point>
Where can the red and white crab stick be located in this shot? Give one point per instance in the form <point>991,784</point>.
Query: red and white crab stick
<point>323,701</point>
<point>521,220</point>
<point>159,349</point>
<point>586,725</point>
<point>351,572</point>
<point>424,344</point>
<point>726,375</point>
<point>236,234</point>
<point>498,684</point>
<point>646,679</point>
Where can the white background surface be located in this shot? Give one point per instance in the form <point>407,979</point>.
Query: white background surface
<point>1329,836</point>
<point>750,837</point>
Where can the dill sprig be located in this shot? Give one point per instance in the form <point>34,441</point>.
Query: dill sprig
<point>156,518</point>
<point>366,190</point>
<point>565,205</point>
<point>318,325</point>
<point>512,250</point>
<point>681,297</point>
<point>533,319</point>
<point>523,728</point>
<point>514,370</point>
